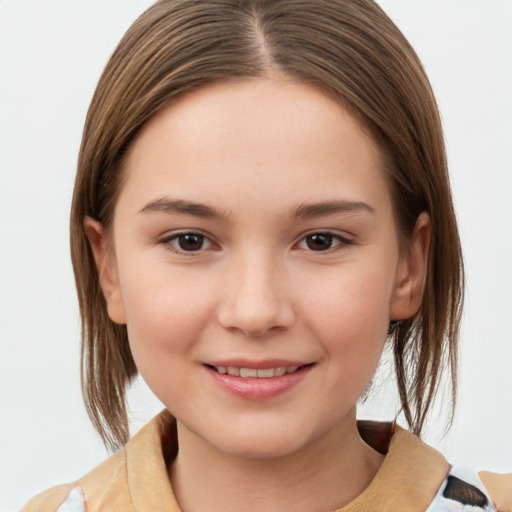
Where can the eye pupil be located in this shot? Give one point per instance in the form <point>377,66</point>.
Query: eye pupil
<point>319,241</point>
<point>190,242</point>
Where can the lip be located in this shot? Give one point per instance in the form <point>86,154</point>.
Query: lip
<point>253,388</point>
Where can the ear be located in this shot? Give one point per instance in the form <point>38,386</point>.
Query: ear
<point>412,272</point>
<point>107,270</point>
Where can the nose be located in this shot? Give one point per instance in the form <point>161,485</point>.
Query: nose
<point>256,300</point>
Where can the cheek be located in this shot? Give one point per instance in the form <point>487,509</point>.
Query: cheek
<point>350,314</point>
<point>166,313</point>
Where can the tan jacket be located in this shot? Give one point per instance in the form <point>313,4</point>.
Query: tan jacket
<point>413,478</point>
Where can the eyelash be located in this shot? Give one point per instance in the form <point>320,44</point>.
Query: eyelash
<point>331,236</point>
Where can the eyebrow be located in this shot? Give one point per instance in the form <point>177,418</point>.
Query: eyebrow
<point>330,207</point>
<point>180,206</point>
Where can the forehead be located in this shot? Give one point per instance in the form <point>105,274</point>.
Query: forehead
<point>285,140</point>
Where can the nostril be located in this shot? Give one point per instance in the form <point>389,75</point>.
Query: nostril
<point>258,321</point>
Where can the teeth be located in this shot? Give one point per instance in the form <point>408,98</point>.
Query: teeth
<point>267,373</point>
<point>248,372</point>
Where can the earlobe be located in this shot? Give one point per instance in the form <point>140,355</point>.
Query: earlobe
<point>107,270</point>
<point>412,272</point>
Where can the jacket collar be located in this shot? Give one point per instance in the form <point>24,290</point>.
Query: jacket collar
<point>407,481</point>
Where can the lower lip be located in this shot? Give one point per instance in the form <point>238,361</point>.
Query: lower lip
<point>252,388</point>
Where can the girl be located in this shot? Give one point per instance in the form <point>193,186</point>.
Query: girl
<point>262,204</point>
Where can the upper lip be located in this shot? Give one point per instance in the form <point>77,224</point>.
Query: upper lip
<point>257,365</point>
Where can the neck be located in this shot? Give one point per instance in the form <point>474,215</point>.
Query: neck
<point>324,475</point>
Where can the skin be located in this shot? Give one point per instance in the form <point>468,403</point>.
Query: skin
<point>258,152</point>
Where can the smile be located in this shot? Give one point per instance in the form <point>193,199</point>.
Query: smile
<point>253,381</point>
<point>256,373</point>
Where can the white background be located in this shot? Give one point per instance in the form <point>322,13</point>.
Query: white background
<point>51,55</point>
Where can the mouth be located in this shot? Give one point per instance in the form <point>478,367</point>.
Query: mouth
<point>258,373</point>
<point>257,381</point>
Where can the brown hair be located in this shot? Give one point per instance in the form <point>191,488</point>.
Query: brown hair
<point>348,48</point>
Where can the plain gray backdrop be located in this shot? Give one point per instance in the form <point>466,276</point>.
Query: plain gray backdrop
<point>51,55</point>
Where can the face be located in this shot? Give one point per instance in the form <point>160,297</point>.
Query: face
<point>256,263</point>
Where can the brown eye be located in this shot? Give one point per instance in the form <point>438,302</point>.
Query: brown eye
<point>187,242</point>
<point>323,241</point>
<point>190,242</point>
<point>319,241</point>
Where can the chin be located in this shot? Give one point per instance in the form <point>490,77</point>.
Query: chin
<point>261,446</point>
<point>260,440</point>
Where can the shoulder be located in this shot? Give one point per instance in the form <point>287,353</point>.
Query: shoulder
<point>48,501</point>
<point>499,487</point>
<point>134,478</point>
<point>104,488</point>
<point>415,477</point>
<point>463,489</point>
